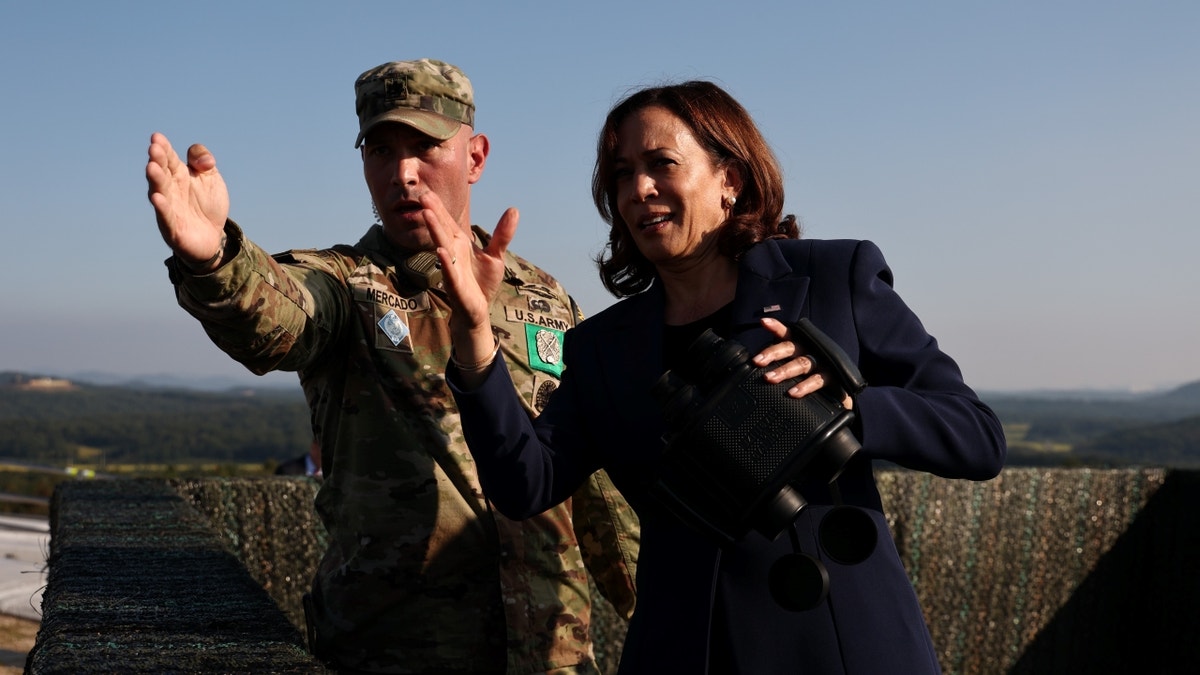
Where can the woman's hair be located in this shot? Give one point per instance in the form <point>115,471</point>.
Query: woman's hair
<point>722,127</point>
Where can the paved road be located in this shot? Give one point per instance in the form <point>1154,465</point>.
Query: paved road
<point>24,545</point>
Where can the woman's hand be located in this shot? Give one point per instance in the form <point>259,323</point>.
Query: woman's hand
<point>472,276</point>
<point>797,364</point>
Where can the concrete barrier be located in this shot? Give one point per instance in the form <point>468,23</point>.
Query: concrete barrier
<point>1037,571</point>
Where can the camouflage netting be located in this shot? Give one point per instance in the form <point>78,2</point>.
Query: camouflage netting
<point>1055,571</point>
<point>1037,571</point>
<point>271,526</point>
<point>139,582</point>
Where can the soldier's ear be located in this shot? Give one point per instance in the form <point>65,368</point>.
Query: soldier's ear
<point>477,152</point>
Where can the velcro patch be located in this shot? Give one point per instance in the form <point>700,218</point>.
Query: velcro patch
<point>545,349</point>
<point>378,296</point>
<point>519,315</point>
<point>395,329</point>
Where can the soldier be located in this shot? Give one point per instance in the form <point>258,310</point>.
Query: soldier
<point>421,574</point>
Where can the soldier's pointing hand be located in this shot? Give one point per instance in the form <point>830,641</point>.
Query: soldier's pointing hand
<point>190,202</point>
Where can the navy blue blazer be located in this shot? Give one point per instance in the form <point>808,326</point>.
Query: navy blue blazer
<point>915,412</point>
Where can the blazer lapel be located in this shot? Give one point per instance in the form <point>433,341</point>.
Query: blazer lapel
<point>768,287</point>
<point>635,340</point>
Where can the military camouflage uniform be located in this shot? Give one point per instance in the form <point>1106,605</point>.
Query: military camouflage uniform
<point>420,575</point>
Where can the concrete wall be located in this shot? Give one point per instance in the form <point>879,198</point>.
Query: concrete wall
<point>1038,571</point>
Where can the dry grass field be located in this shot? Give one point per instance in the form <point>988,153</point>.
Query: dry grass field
<point>16,639</point>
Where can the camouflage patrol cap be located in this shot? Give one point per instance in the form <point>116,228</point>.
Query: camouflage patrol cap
<point>431,96</point>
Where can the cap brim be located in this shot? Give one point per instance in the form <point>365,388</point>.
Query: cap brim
<point>428,123</point>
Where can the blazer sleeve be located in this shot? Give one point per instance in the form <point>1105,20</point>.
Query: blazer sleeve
<point>523,468</point>
<point>916,410</point>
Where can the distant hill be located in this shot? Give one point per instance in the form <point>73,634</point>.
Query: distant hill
<point>278,380</point>
<point>1188,393</point>
<point>1152,428</point>
<point>78,422</point>
<point>1173,443</point>
<point>52,419</point>
<point>1116,409</point>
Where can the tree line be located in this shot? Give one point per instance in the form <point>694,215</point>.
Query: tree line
<point>92,424</point>
<point>131,425</point>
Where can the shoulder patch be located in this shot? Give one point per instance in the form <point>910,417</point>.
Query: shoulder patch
<point>542,388</point>
<point>545,348</point>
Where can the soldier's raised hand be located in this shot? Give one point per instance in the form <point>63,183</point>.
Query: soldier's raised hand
<point>190,202</point>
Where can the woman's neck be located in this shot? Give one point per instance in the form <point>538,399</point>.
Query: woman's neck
<point>697,292</point>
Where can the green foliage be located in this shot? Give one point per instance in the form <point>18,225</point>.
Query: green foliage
<point>1151,430</point>
<point>1073,429</point>
<point>122,425</point>
<point>1175,444</point>
<point>183,430</point>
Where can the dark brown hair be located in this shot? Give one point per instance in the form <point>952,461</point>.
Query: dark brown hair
<point>722,127</point>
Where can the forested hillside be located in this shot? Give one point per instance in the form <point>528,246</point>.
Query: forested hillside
<point>1171,443</point>
<point>72,423</point>
<point>1161,429</point>
<point>62,423</point>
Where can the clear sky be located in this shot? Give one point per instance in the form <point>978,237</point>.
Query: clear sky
<point>1031,170</point>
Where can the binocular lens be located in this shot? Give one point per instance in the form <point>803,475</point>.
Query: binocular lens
<point>798,582</point>
<point>847,534</point>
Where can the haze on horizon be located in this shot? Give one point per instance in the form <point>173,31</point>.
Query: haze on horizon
<point>1029,170</point>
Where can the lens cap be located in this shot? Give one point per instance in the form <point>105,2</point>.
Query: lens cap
<point>798,582</point>
<point>847,534</point>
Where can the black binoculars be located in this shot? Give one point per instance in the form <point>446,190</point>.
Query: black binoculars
<point>738,447</point>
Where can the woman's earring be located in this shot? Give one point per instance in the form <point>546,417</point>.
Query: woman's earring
<point>375,211</point>
<point>728,201</point>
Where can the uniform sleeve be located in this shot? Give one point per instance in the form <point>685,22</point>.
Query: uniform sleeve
<point>916,410</point>
<point>266,313</point>
<point>609,535</point>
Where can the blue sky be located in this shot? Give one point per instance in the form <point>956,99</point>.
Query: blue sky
<point>1030,169</point>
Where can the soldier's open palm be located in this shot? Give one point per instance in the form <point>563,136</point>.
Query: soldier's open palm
<point>190,199</point>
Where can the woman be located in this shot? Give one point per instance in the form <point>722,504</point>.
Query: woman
<point>694,197</point>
